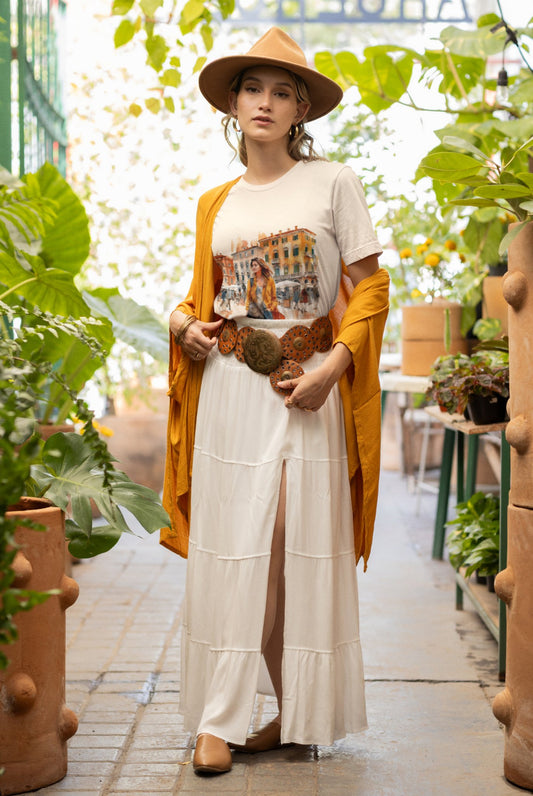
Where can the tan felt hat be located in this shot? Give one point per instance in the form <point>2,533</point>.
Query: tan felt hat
<point>275,48</point>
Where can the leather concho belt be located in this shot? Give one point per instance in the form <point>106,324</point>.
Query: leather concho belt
<point>277,357</point>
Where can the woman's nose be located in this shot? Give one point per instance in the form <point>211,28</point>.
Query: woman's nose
<point>265,101</point>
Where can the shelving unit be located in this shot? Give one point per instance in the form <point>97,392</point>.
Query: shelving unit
<point>456,429</point>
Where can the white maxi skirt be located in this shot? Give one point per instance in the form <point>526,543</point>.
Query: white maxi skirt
<point>244,434</point>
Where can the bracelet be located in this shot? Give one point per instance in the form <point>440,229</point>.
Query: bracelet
<point>180,334</point>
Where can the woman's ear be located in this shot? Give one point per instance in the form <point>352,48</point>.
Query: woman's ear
<point>232,99</point>
<point>301,112</point>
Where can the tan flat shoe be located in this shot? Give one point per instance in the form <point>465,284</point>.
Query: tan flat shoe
<point>211,756</point>
<point>266,739</point>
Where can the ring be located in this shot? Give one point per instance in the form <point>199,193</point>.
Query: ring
<point>197,355</point>
<point>307,410</point>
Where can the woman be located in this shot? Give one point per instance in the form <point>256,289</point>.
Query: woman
<point>261,299</point>
<point>279,499</point>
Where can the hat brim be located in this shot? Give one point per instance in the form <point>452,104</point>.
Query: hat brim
<point>216,78</point>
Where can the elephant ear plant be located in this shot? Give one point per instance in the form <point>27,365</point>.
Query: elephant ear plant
<point>69,469</point>
<point>51,343</point>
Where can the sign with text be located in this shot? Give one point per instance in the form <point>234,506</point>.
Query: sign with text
<point>332,12</point>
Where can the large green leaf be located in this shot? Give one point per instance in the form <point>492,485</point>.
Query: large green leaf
<point>70,473</point>
<point>341,67</point>
<point>50,289</point>
<point>498,191</point>
<point>446,74</point>
<point>66,241</point>
<point>82,545</point>
<point>473,43</point>
<point>76,360</point>
<point>461,144</point>
<point>133,323</point>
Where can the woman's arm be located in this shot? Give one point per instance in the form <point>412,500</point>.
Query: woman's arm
<point>196,342</point>
<point>311,390</point>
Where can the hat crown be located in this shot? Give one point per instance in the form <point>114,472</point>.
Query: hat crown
<point>278,45</point>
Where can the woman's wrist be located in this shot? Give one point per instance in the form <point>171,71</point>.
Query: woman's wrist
<point>336,363</point>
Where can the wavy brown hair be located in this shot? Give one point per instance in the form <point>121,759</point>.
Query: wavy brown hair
<point>300,144</point>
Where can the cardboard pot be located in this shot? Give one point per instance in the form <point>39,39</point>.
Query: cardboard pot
<point>423,328</point>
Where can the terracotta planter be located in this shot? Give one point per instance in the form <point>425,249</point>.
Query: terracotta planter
<point>35,723</point>
<point>514,706</point>
<point>423,329</point>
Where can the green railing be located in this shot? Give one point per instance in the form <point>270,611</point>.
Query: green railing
<point>32,118</point>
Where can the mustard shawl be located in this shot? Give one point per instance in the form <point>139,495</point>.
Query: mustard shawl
<point>358,319</point>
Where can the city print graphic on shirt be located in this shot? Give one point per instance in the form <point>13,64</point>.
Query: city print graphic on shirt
<point>272,277</point>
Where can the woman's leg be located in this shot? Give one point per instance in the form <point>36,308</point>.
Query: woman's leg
<point>272,642</point>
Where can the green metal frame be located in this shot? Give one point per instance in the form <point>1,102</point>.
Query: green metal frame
<point>465,490</point>
<point>31,45</point>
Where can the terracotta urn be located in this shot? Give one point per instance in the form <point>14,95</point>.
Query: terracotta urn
<point>35,723</point>
<point>423,335</point>
<point>514,706</point>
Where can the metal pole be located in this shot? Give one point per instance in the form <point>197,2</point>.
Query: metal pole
<point>5,84</point>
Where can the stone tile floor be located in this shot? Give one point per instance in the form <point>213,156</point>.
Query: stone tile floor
<point>430,671</point>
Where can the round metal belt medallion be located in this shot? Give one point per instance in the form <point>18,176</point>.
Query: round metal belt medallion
<point>297,343</point>
<point>287,369</point>
<point>242,334</point>
<point>227,337</point>
<point>262,351</point>
<point>322,333</point>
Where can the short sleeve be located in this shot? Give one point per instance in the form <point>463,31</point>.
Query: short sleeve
<point>354,230</point>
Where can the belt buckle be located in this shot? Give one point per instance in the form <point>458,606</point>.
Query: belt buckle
<point>262,351</point>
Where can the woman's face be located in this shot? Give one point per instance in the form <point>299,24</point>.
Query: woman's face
<point>267,104</point>
<point>255,268</point>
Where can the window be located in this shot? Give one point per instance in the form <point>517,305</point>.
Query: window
<point>285,253</point>
<point>296,268</point>
<point>295,251</point>
<point>286,270</point>
<point>295,237</point>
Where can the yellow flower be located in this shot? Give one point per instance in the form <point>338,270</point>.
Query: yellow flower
<point>462,257</point>
<point>451,245</point>
<point>405,253</point>
<point>429,241</point>
<point>421,248</point>
<point>416,293</point>
<point>105,431</point>
<point>432,259</point>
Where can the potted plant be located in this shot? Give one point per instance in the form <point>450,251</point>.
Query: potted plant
<point>50,344</point>
<point>69,471</point>
<point>474,541</point>
<point>478,383</point>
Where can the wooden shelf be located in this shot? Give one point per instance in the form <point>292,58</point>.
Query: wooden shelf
<point>484,602</point>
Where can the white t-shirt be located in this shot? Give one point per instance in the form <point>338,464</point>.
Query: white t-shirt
<point>296,229</point>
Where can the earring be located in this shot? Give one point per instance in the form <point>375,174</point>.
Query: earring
<point>295,131</point>
<point>236,125</point>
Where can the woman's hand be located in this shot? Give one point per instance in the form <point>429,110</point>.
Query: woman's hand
<point>309,392</point>
<point>197,341</point>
